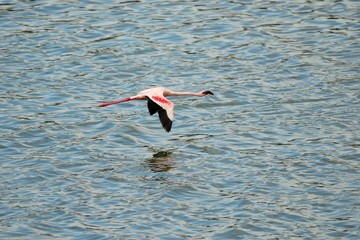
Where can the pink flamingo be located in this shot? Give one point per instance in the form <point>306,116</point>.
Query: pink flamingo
<point>157,102</point>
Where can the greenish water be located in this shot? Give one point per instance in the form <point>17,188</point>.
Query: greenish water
<point>273,155</point>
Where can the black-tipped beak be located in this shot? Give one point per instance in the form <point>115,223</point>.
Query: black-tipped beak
<point>208,92</point>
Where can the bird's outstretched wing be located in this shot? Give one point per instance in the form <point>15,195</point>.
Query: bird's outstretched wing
<point>164,107</point>
<point>152,106</point>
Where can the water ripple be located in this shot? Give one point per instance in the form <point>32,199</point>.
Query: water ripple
<point>273,155</point>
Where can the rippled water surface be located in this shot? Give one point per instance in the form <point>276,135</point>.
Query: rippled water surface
<point>275,154</point>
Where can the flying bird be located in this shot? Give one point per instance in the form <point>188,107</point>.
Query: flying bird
<point>158,103</point>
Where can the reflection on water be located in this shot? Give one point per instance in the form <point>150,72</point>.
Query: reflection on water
<point>161,161</point>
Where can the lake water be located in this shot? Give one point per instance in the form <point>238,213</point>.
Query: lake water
<point>274,154</point>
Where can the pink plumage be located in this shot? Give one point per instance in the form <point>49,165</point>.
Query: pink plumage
<point>158,103</point>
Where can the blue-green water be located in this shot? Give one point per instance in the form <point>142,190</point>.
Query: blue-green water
<point>275,154</point>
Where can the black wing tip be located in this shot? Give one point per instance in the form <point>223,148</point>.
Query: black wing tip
<point>168,126</point>
<point>166,123</point>
<point>165,120</point>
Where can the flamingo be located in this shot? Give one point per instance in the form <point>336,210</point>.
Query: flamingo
<point>157,102</point>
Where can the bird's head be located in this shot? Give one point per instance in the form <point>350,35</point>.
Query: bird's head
<point>206,92</point>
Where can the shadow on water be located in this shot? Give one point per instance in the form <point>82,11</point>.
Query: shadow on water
<point>162,161</point>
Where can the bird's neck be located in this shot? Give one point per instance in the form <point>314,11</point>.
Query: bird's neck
<point>183,94</point>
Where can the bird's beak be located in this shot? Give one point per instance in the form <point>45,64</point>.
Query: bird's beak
<point>208,92</point>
